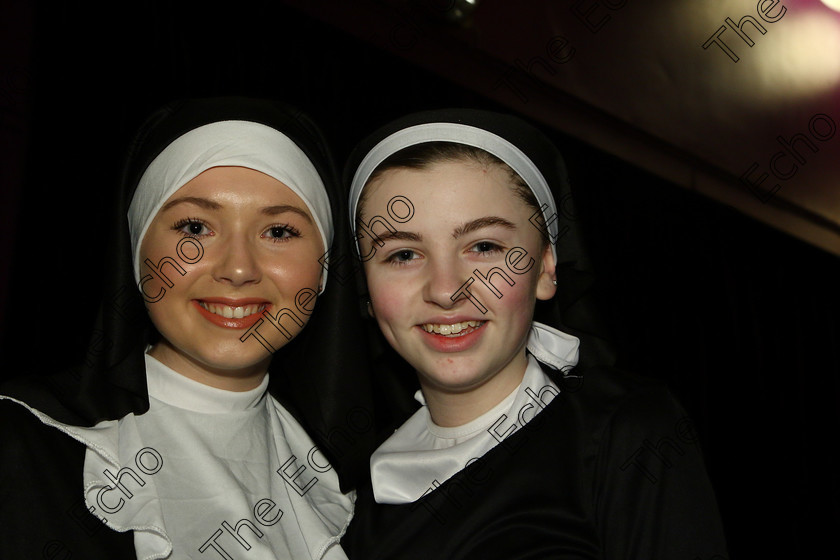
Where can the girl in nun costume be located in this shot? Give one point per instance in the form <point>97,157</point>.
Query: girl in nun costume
<point>527,444</point>
<point>180,437</point>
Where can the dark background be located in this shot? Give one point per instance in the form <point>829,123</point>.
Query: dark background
<point>739,319</point>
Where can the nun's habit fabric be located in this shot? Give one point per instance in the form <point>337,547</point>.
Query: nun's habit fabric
<point>165,461</point>
<point>580,460</point>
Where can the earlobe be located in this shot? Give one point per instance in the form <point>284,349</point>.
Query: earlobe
<point>547,281</point>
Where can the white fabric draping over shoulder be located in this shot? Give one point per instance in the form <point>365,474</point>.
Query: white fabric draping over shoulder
<point>211,474</point>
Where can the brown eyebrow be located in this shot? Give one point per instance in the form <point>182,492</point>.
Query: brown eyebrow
<point>210,205</point>
<point>282,209</point>
<point>202,202</point>
<point>480,223</point>
<point>459,231</point>
<point>398,236</point>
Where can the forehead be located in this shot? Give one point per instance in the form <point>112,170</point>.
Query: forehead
<point>237,186</point>
<point>449,190</point>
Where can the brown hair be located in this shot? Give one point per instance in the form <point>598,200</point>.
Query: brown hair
<point>421,156</point>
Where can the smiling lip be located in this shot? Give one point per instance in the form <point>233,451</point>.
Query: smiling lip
<point>463,340</point>
<point>245,322</point>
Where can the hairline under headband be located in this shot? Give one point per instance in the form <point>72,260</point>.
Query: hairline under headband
<point>459,134</point>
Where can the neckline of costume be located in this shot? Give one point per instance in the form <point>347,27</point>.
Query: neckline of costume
<point>416,459</point>
<point>548,345</point>
<point>476,425</point>
<point>170,387</point>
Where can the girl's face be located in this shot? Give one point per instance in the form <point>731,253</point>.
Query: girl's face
<point>260,250</point>
<point>430,282</point>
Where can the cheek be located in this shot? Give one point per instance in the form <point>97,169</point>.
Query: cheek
<point>167,313</point>
<point>153,249</point>
<point>387,301</point>
<point>172,270</point>
<point>517,300</point>
<point>296,266</point>
<point>304,273</point>
<point>387,296</point>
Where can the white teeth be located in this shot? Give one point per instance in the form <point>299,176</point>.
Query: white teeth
<point>453,329</point>
<point>232,312</point>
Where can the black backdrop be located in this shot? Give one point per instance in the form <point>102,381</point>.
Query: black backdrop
<point>742,321</point>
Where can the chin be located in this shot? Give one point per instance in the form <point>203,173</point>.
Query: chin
<point>228,358</point>
<point>237,360</point>
<point>455,377</point>
<point>234,367</point>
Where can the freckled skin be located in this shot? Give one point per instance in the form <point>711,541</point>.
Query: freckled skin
<point>241,260</point>
<point>462,385</point>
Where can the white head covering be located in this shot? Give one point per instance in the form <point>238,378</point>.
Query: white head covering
<point>459,134</point>
<point>227,143</point>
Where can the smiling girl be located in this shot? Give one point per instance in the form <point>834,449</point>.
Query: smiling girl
<point>183,435</point>
<point>526,445</point>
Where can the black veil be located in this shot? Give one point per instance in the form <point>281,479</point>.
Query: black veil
<point>321,376</point>
<point>573,309</point>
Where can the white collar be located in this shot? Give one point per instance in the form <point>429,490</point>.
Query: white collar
<point>473,427</point>
<point>168,386</point>
<point>419,456</point>
<point>177,463</point>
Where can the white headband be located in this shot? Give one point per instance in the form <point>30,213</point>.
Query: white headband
<point>227,143</point>
<point>459,134</point>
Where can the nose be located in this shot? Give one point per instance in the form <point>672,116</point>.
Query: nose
<point>237,261</point>
<point>446,281</point>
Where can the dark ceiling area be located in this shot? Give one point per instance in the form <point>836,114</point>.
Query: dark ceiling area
<point>738,101</point>
<point>705,185</point>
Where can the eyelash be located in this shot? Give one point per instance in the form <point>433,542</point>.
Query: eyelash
<point>291,230</point>
<point>495,248</point>
<point>180,224</point>
<point>394,260</point>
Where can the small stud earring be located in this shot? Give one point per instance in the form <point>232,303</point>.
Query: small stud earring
<point>370,308</point>
<point>554,282</point>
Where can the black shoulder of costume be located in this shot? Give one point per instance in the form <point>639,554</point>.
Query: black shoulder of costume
<point>43,513</point>
<point>610,469</point>
<point>322,376</point>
